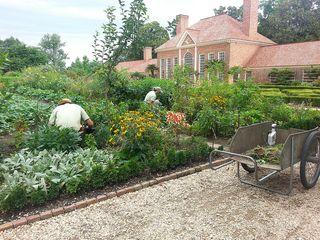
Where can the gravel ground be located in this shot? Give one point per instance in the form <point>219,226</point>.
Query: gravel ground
<point>206,205</point>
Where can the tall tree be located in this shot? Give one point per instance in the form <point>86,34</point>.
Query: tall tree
<point>83,67</point>
<point>290,20</point>
<point>232,11</point>
<point>150,35</point>
<point>3,61</point>
<point>284,21</point>
<point>52,45</point>
<point>21,55</point>
<point>172,27</point>
<point>112,43</point>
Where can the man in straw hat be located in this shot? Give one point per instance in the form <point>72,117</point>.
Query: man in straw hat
<point>69,115</point>
<point>151,97</point>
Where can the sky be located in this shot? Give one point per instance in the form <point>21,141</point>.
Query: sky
<point>77,20</point>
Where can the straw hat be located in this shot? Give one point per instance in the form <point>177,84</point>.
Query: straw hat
<point>64,101</point>
<point>158,89</point>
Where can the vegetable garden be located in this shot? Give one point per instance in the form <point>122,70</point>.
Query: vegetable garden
<point>42,163</point>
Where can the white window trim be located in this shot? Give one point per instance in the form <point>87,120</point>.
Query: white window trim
<point>219,56</point>
<point>209,56</point>
<point>184,58</point>
<point>200,63</point>
<point>173,60</point>
<point>161,67</point>
<point>167,68</point>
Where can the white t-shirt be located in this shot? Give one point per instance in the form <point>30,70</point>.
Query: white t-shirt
<point>68,116</point>
<point>150,97</point>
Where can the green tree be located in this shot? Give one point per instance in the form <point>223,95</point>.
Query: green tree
<point>152,68</point>
<point>150,35</point>
<point>52,45</point>
<point>21,55</point>
<point>232,11</point>
<point>84,67</point>
<point>112,43</point>
<point>284,21</point>
<point>3,61</point>
<point>172,27</point>
<point>215,67</point>
<point>290,20</point>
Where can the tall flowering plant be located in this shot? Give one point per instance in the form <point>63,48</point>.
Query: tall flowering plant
<point>136,132</point>
<point>177,122</point>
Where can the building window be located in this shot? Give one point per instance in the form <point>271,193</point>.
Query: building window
<point>221,56</point>
<point>162,68</point>
<point>221,75</point>
<point>169,68</point>
<point>210,56</point>
<point>310,75</point>
<point>248,75</point>
<point>282,76</point>
<point>201,65</point>
<point>176,61</point>
<point>188,59</point>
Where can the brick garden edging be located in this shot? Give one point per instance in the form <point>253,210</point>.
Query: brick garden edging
<point>82,204</point>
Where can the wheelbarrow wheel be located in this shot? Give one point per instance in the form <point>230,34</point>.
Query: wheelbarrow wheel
<point>248,168</point>
<point>310,161</point>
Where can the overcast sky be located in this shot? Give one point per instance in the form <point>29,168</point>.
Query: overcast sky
<point>77,20</point>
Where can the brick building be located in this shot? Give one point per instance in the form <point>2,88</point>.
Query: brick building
<point>139,65</point>
<point>237,43</point>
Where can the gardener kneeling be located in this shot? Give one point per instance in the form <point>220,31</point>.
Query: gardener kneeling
<point>151,97</point>
<point>70,115</point>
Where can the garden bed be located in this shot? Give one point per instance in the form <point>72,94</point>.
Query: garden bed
<point>66,200</point>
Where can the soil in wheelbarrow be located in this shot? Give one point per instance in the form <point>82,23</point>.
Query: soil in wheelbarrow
<point>266,155</point>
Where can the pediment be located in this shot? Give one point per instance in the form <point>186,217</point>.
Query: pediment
<point>187,41</point>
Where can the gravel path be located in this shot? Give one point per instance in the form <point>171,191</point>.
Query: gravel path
<point>206,205</point>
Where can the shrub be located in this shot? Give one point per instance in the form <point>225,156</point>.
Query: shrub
<point>38,197</point>
<point>53,137</point>
<point>12,197</point>
<point>137,75</point>
<point>137,133</point>
<point>159,162</point>
<point>196,148</point>
<point>73,185</point>
<point>15,109</point>
<point>137,90</point>
<point>281,76</point>
<point>44,77</point>
<point>97,176</point>
<point>211,121</point>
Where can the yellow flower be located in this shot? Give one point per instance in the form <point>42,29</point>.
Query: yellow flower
<point>116,131</point>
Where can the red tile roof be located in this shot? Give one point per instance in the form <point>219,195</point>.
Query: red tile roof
<point>216,28</point>
<point>294,54</point>
<point>136,66</point>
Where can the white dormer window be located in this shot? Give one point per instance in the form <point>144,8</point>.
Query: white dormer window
<point>222,56</point>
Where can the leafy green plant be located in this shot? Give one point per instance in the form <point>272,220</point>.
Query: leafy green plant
<point>12,197</point>
<point>53,137</point>
<point>90,141</point>
<point>35,177</point>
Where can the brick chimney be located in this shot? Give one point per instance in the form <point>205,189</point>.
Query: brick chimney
<point>183,23</point>
<point>147,53</point>
<point>250,17</point>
